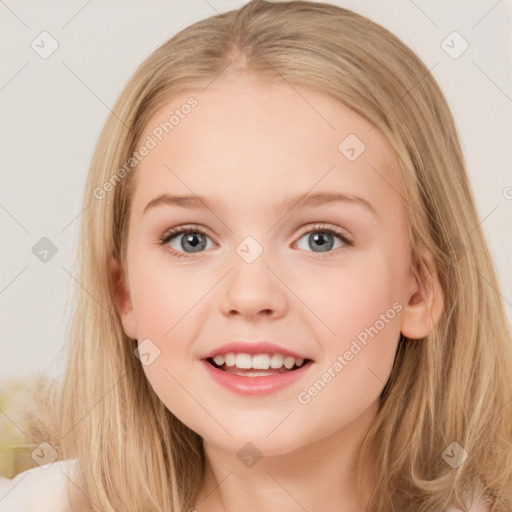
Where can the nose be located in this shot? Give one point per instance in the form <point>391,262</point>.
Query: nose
<point>253,290</point>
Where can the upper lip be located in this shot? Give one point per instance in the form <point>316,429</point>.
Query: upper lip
<point>252,347</point>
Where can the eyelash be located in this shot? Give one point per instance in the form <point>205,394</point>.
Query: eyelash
<point>169,235</point>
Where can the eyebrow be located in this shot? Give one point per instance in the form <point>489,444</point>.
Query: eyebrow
<point>303,200</point>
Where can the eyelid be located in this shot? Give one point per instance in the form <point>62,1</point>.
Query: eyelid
<point>181,230</point>
<point>329,228</point>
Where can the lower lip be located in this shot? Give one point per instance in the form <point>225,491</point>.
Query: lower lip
<point>255,386</point>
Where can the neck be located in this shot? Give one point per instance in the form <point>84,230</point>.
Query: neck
<point>317,476</point>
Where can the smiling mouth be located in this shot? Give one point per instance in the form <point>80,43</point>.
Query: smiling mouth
<point>256,372</point>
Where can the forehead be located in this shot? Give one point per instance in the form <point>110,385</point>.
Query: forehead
<point>246,134</point>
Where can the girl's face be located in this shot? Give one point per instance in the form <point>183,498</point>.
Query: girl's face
<point>327,280</point>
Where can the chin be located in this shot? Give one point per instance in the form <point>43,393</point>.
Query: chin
<point>258,442</point>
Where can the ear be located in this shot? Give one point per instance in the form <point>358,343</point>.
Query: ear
<point>123,301</point>
<point>424,300</point>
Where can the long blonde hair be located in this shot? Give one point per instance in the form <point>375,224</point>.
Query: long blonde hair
<point>455,385</point>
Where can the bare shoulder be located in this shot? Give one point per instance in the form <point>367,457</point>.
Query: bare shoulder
<point>40,488</point>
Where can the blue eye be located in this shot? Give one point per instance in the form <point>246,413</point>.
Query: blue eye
<point>323,238</point>
<point>194,239</point>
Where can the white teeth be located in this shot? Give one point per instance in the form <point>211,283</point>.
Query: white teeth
<point>219,360</point>
<point>289,362</point>
<point>258,361</point>
<point>261,362</point>
<point>276,361</point>
<point>243,361</point>
<point>230,359</point>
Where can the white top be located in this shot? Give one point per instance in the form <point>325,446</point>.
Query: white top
<point>44,489</point>
<point>40,489</point>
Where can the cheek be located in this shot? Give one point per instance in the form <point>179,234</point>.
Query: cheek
<point>358,359</point>
<point>353,296</point>
<point>360,305</point>
<point>161,297</point>
<point>166,304</point>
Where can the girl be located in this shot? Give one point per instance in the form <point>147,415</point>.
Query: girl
<point>219,360</point>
